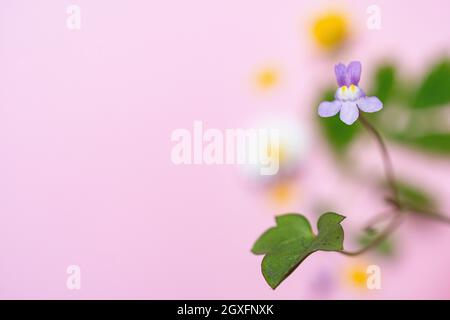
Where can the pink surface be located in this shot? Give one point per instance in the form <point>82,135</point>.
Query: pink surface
<point>85,124</point>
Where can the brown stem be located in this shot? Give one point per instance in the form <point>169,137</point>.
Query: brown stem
<point>393,225</point>
<point>378,218</point>
<point>398,214</point>
<point>388,168</point>
<point>390,177</point>
<point>429,214</point>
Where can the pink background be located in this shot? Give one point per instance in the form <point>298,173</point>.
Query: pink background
<point>85,124</point>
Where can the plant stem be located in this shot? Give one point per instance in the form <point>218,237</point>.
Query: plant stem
<point>393,225</point>
<point>397,216</point>
<point>400,208</point>
<point>430,214</point>
<point>390,176</point>
<point>388,168</point>
<point>378,218</point>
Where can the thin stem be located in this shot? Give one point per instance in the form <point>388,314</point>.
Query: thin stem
<point>390,177</point>
<point>401,209</point>
<point>430,214</point>
<point>388,168</point>
<point>393,225</point>
<point>378,218</point>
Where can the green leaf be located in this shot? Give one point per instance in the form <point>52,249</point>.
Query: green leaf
<point>292,240</point>
<point>437,143</point>
<point>338,134</point>
<point>418,201</point>
<point>385,248</point>
<point>415,196</point>
<point>385,77</point>
<point>435,88</point>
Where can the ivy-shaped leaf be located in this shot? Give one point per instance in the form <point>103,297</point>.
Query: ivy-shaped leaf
<point>292,240</point>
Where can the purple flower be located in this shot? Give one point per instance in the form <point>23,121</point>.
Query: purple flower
<point>349,98</point>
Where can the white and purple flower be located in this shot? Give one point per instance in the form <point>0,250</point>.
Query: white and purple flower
<point>349,98</point>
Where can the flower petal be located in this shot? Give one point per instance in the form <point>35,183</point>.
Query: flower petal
<point>354,72</point>
<point>341,74</point>
<point>349,112</point>
<point>370,104</point>
<point>329,109</point>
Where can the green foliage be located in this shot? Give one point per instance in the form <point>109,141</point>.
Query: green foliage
<point>434,90</point>
<point>437,143</point>
<point>385,248</point>
<point>418,201</point>
<point>338,134</point>
<point>414,196</point>
<point>292,240</point>
<point>384,82</point>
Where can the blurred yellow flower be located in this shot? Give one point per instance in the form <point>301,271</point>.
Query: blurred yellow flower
<point>356,275</point>
<point>283,193</point>
<point>330,30</point>
<point>267,78</point>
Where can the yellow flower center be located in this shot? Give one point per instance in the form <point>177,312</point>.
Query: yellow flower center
<point>350,93</point>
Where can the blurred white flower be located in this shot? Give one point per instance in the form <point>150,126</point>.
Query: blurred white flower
<point>289,150</point>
